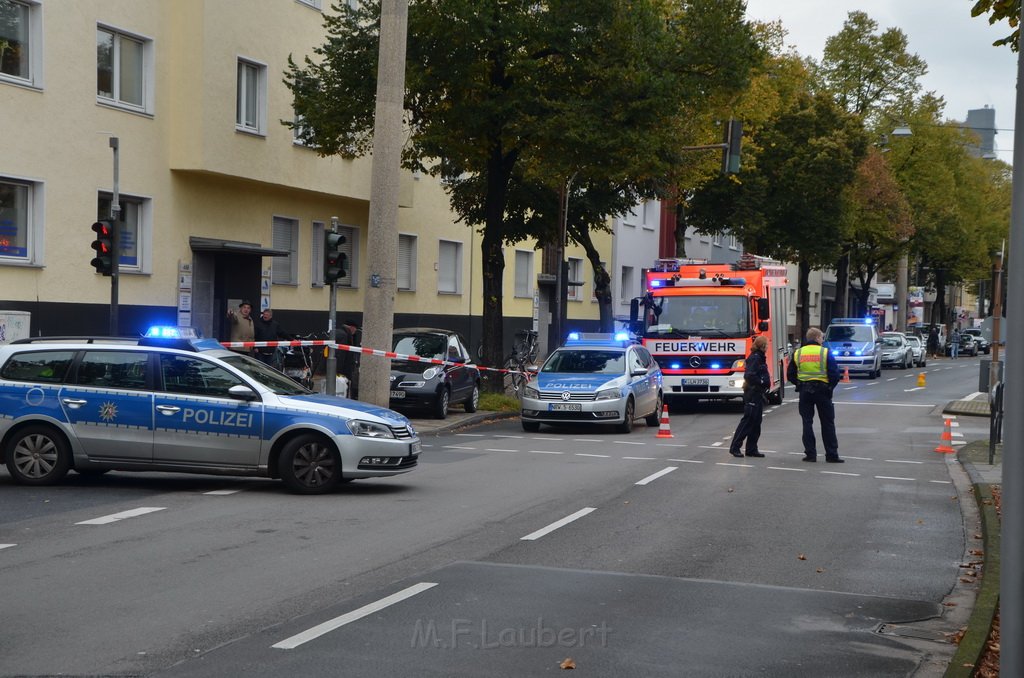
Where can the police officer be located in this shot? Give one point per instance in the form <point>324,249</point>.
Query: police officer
<point>756,382</point>
<point>815,373</point>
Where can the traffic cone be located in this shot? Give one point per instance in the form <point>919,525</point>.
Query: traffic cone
<point>946,441</point>
<point>664,431</point>
<point>846,375</point>
<point>920,379</point>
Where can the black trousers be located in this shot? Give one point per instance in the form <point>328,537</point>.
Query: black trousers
<point>818,397</point>
<point>749,428</point>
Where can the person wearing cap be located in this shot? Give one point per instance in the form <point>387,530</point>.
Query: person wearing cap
<point>815,373</point>
<point>756,382</point>
<point>242,328</point>
<point>268,329</point>
<point>348,362</point>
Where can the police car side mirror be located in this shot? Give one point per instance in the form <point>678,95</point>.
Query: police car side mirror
<point>533,369</point>
<point>242,392</point>
<point>638,372</point>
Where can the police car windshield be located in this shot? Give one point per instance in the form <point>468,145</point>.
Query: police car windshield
<point>718,316</point>
<point>848,333</point>
<point>583,361</point>
<point>272,379</point>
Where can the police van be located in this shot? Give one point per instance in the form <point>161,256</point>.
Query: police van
<point>172,401</point>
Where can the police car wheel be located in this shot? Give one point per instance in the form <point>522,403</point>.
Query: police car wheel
<point>38,455</point>
<point>627,423</point>
<point>474,399</point>
<point>441,404</point>
<point>310,465</point>
<point>531,426</point>
<point>654,418</point>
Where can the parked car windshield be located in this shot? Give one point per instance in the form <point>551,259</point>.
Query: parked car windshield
<point>849,333</point>
<point>423,345</point>
<point>914,341</point>
<point>892,341</point>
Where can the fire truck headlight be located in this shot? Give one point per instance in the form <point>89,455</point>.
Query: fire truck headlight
<point>739,364</point>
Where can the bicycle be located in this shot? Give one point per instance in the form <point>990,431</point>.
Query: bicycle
<point>524,353</point>
<point>301,363</point>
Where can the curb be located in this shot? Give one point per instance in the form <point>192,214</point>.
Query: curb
<point>473,420</point>
<point>979,626</point>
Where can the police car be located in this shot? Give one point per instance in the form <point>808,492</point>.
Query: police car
<point>172,401</point>
<point>594,378</point>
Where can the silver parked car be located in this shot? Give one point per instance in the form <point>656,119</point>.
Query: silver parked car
<point>917,350</point>
<point>896,351</point>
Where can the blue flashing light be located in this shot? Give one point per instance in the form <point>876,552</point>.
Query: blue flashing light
<point>675,366</point>
<point>172,332</point>
<point>622,336</point>
<point>859,352</point>
<point>716,366</point>
<point>574,336</point>
<point>655,283</point>
<point>868,320</point>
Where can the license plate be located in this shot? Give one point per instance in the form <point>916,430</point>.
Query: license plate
<point>414,449</point>
<point>695,382</point>
<point>565,407</point>
<point>398,395</point>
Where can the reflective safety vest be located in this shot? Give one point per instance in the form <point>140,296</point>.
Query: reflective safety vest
<point>811,363</point>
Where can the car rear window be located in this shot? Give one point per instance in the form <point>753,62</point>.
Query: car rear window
<point>39,366</point>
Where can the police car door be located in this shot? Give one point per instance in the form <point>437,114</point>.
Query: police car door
<point>108,402</point>
<point>197,422</point>
<point>640,383</point>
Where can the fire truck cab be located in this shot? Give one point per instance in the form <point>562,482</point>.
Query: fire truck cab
<point>698,321</point>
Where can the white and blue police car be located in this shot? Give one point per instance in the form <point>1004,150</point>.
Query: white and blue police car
<point>594,379</point>
<point>173,401</point>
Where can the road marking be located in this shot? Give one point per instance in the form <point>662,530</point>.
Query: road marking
<point>655,476</point>
<point>426,445</point>
<point>6,546</point>
<point>839,473</point>
<point>628,442</point>
<point>354,615</point>
<point>497,449</point>
<point>536,438</point>
<point>585,440</point>
<point>641,458</point>
<point>716,444</point>
<point>916,388</point>
<point>469,435</point>
<point>687,461</point>
<point>893,478</point>
<point>710,447</point>
<point>222,493</point>
<point>892,379</point>
<point>504,436</point>
<point>114,517</point>
<point>557,524</point>
<point>860,458</point>
<point>726,463</point>
<point>783,468</point>
<point>671,444</point>
<point>544,452</point>
<point>901,461</point>
<point>907,376</point>
<point>942,482</point>
<point>585,454</point>
<point>849,388</point>
<point>458,447</point>
<point>855,402</point>
<point>871,383</point>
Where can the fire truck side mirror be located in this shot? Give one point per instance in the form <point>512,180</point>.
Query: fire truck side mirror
<point>763,311</point>
<point>762,326</point>
<point>634,310</point>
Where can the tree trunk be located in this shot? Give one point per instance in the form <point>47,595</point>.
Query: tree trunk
<point>842,305</point>
<point>803,315</point>
<point>602,282</point>
<point>680,232</point>
<point>499,168</point>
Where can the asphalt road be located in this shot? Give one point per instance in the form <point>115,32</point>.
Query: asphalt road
<point>507,553</point>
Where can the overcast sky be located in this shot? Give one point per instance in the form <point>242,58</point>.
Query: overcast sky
<point>963,66</point>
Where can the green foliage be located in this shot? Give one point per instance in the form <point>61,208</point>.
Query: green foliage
<point>498,402</point>
<point>998,10</point>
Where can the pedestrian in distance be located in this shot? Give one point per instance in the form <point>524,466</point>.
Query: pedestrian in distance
<point>933,342</point>
<point>348,363</point>
<point>815,373</point>
<point>265,328</point>
<point>242,328</point>
<point>954,343</point>
<point>756,382</point>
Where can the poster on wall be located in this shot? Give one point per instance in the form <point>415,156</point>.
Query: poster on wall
<point>915,306</point>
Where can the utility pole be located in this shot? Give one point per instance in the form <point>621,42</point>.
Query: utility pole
<point>382,243</point>
<point>902,302</point>
<point>331,367</point>
<point>115,238</point>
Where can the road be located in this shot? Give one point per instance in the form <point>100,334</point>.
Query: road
<point>507,554</point>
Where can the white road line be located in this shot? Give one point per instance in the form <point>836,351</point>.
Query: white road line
<point>687,461</point>
<point>893,478</point>
<point>628,442</point>
<point>585,454</point>
<point>348,618</point>
<point>854,402</point>
<point>655,476</point>
<point>726,463</point>
<point>538,438</point>
<point>783,468</point>
<point>222,493</point>
<point>586,440</point>
<point>641,458</point>
<point>710,447</point>
<point>860,458</point>
<point>839,473</point>
<point>426,445</point>
<point>458,447</point>
<point>871,383</point>
<point>907,376</point>
<point>469,435</point>
<point>670,444</point>
<point>891,379</point>
<point>716,444</point>
<point>6,546</point>
<point>504,436</point>
<point>497,449</point>
<point>916,388</point>
<point>849,388</point>
<point>114,517</point>
<point>544,452</point>
<point>901,461</point>
<point>942,482</point>
<point>557,524</point>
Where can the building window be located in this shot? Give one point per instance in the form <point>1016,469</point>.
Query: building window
<point>626,286</point>
<point>133,232</point>
<point>21,210</point>
<point>716,240</point>
<point>524,273</point>
<point>316,265</point>
<point>575,292</point>
<point>734,242</point>
<point>449,267</point>
<point>406,262</point>
<point>250,104</point>
<point>283,270</point>
<point>651,214</point>
<point>123,67</point>
<point>315,4</point>
<point>300,132</point>
<point>20,42</point>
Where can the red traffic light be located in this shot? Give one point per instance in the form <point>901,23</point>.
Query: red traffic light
<point>103,262</point>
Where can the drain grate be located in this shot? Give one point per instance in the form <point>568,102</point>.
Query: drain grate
<point>912,632</point>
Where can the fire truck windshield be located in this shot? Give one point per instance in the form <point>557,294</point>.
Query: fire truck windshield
<point>686,316</point>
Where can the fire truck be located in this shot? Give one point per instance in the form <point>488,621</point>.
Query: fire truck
<point>699,321</point>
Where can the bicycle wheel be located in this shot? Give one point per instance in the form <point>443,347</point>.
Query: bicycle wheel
<point>514,380</point>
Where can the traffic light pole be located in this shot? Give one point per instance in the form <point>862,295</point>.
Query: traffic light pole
<point>115,238</point>
<point>331,367</point>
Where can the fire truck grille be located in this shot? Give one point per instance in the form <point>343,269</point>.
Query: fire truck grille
<point>724,362</point>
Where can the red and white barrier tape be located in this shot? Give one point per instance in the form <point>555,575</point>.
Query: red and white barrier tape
<point>358,349</point>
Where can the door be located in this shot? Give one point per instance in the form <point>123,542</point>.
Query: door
<point>461,376</point>
<point>644,386</point>
<point>197,423</point>
<point>108,401</point>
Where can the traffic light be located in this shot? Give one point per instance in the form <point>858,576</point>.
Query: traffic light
<point>103,262</point>
<point>335,261</point>
<point>731,148</point>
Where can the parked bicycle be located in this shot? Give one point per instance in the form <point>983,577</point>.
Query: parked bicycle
<point>524,354</point>
<point>302,363</point>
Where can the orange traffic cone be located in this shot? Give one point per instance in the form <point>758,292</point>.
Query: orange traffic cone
<point>846,376</point>
<point>946,441</point>
<point>664,431</point>
<point>920,379</point>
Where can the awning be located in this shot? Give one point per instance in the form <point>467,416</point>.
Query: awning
<point>233,247</point>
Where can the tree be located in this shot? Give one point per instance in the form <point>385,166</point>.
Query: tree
<point>998,10</point>
<point>538,90</point>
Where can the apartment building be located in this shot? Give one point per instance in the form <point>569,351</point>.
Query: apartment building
<point>219,201</point>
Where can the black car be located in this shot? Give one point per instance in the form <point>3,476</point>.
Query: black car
<point>983,345</point>
<point>426,386</point>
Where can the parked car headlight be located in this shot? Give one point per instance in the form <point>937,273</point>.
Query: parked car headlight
<point>531,392</point>
<point>430,373</point>
<point>369,429</point>
<point>609,394</point>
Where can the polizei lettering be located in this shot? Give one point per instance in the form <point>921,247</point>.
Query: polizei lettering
<point>704,347</point>
<point>218,418</point>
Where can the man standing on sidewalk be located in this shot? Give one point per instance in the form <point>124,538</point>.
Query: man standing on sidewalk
<point>815,373</point>
<point>756,382</point>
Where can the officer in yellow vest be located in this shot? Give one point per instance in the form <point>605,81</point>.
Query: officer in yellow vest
<point>815,373</point>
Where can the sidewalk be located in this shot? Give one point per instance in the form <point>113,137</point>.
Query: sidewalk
<point>456,420</point>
